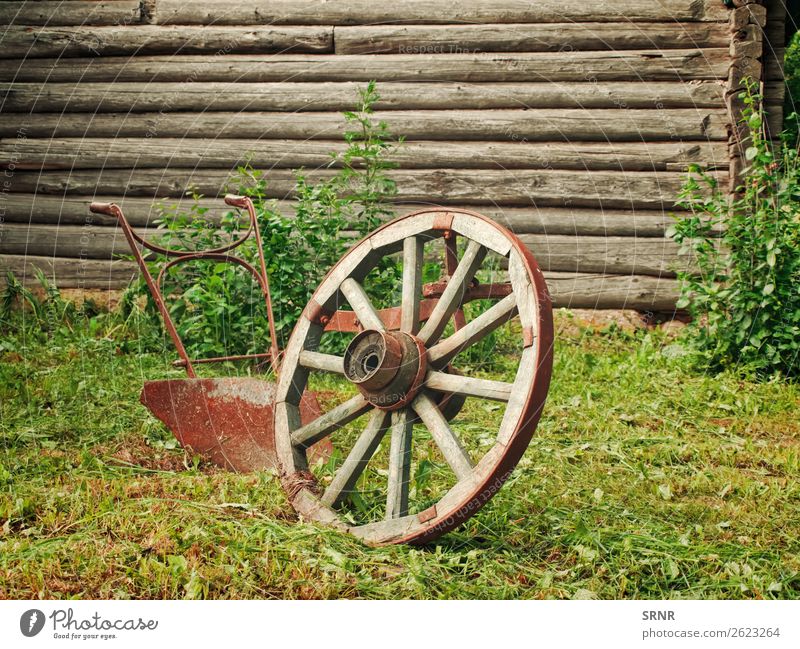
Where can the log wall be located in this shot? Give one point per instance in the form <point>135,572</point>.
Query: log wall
<point>571,122</point>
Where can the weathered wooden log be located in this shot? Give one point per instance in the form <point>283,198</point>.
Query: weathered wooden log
<point>367,12</point>
<point>132,97</point>
<point>581,221</point>
<point>570,290</point>
<point>53,41</point>
<point>608,254</point>
<point>587,291</point>
<point>606,189</point>
<point>88,241</point>
<point>626,65</point>
<point>554,252</point>
<point>71,12</point>
<point>603,125</point>
<point>66,272</point>
<point>126,153</point>
<point>74,210</point>
<point>31,42</point>
<point>538,37</point>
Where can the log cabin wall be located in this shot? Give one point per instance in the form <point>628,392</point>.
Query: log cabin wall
<point>572,122</point>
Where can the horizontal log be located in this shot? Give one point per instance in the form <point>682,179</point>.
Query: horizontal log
<point>603,125</point>
<point>140,212</point>
<point>69,273</point>
<point>167,97</point>
<point>610,255</point>
<point>588,291</point>
<point>532,124</point>
<point>32,42</point>
<point>627,65</point>
<point>606,189</point>
<point>54,41</point>
<point>582,221</point>
<point>88,241</point>
<point>539,37</point>
<point>74,210</point>
<point>367,12</point>
<point>568,290</point>
<point>132,97</point>
<point>70,12</point>
<point>126,153</point>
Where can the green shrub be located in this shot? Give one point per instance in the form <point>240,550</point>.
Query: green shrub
<point>746,297</point>
<point>217,307</point>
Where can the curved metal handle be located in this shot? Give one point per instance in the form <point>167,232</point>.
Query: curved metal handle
<point>242,202</point>
<point>109,209</point>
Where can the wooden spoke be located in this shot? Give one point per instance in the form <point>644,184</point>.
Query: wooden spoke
<point>500,313</point>
<point>328,422</point>
<point>412,284</point>
<point>451,297</point>
<point>324,362</point>
<point>443,382</point>
<point>451,263</point>
<point>344,481</point>
<point>399,465</point>
<point>361,304</point>
<point>445,438</point>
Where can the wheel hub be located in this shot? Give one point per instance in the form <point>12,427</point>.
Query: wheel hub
<point>388,367</point>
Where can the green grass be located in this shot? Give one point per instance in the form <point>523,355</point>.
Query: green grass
<point>645,480</point>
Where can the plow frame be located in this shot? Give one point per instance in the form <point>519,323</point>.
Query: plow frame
<point>220,254</point>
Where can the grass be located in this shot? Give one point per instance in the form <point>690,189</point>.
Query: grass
<point>646,479</point>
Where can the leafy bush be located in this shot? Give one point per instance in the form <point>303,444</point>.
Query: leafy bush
<point>746,297</point>
<point>217,307</point>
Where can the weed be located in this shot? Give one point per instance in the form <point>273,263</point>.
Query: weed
<point>746,296</point>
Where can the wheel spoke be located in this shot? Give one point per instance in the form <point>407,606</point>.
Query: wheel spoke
<point>471,387</point>
<point>412,284</point>
<point>453,293</point>
<point>498,314</point>
<point>399,465</point>
<point>328,422</point>
<point>445,438</point>
<point>367,443</point>
<point>451,263</point>
<point>358,299</point>
<point>324,362</point>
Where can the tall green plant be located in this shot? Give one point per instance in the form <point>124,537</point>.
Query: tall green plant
<point>746,296</point>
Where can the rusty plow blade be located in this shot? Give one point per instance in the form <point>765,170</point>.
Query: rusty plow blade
<point>228,421</point>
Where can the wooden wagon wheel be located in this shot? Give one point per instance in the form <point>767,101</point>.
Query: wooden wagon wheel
<point>398,364</point>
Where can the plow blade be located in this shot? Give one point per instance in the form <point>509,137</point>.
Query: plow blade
<point>228,421</point>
